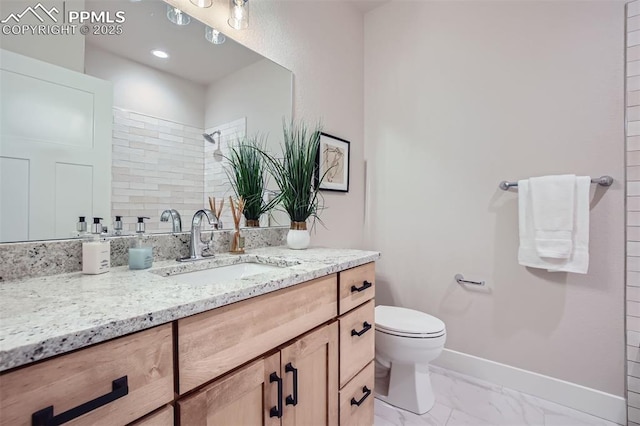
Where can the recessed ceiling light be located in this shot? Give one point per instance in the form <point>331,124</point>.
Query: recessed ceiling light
<point>160,54</point>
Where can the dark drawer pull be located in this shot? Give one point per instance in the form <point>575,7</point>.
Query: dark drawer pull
<point>276,411</point>
<point>365,327</point>
<point>366,391</point>
<point>292,399</point>
<point>365,285</point>
<point>45,416</point>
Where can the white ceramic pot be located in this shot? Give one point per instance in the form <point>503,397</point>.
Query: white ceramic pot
<point>297,238</point>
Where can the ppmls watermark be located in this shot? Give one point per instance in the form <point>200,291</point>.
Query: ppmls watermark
<point>52,21</point>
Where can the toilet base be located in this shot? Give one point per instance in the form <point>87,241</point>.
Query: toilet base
<point>410,388</point>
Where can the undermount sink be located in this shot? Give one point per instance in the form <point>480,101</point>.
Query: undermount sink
<point>224,273</point>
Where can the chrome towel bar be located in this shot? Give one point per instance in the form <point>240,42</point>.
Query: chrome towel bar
<point>602,181</point>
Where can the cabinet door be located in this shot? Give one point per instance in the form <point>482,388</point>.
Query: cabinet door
<point>310,369</point>
<point>244,397</point>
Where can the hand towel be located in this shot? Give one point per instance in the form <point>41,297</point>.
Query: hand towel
<point>528,254</point>
<point>552,206</point>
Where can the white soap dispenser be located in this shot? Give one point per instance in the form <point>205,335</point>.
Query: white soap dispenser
<point>140,253</point>
<point>96,253</point>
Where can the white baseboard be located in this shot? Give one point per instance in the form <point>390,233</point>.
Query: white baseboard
<point>604,405</point>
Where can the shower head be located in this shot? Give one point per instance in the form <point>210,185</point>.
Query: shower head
<point>210,136</point>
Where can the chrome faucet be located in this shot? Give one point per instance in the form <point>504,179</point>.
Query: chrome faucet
<point>176,220</point>
<point>199,248</point>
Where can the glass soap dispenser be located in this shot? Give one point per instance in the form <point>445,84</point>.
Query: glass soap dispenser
<point>140,252</point>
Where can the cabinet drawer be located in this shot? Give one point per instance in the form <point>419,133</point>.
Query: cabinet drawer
<point>356,399</point>
<point>357,341</point>
<point>357,285</point>
<point>69,381</point>
<point>214,342</point>
<point>162,417</point>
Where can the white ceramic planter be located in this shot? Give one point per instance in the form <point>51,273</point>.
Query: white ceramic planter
<point>298,239</point>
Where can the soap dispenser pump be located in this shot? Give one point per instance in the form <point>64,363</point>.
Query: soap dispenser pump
<point>96,253</point>
<point>140,253</point>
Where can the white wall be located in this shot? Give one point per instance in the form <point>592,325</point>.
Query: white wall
<point>145,90</point>
<point>459,96</point>
<point>261,92</point>
<point>322,44</point>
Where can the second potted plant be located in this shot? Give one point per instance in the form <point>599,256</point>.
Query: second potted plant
<point>295,175</point>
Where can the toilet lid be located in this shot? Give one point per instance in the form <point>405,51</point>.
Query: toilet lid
<point>407,321</point>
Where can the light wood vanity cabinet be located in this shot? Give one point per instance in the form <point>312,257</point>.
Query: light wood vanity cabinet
<point>298,356</point>
<point>295,386</point>
<point>133,374</point>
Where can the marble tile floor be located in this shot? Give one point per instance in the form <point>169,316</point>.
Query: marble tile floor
<point>464,400</point>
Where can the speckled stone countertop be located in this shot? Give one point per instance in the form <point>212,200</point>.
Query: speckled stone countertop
<point>46,316</point>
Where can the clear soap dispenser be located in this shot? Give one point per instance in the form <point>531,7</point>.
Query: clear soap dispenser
<point>96,252</point>
<point>140,252</point>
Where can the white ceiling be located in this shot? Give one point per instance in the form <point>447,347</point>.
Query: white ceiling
<point>191,55</point>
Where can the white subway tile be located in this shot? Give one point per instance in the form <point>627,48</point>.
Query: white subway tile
<point>633,369</point>
<point>633,338</point>
<point>633,38</point>
<point>633,414</point>
<point>144,132</point>
<point>633,8</point>
<point>633,279</point>
<point>633,293</point>
<point>633,263</point>
<point>633,218</point>
<point>633,248</point>
<point>633,187</point>
<point>633,128</point>
<point>633,83</point>
<point>633,98</point>
<point>143,118</point>
<point>633,68</point>
<point>633,324</point>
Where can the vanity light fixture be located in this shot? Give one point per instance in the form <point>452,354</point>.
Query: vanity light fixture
<point>202,3</point>
<point>160,54</point>
<point>177,16</point>
<point>238,14</point>
<point>214,36</point>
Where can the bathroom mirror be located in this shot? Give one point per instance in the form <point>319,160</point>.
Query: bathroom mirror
<point>104,124</point>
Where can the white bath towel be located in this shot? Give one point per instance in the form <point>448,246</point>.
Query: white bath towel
<point>528,255</point>
<point>552,207</point>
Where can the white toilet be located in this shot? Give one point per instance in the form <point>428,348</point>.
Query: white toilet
<point>406,341</point>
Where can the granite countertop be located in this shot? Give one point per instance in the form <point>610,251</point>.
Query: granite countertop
<point>46,316</point>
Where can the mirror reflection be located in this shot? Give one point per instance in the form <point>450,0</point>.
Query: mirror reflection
<point>130,124</point>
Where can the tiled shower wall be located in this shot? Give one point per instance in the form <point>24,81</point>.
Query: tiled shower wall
<point>157,165</point>
<point>216,181</point>
<point>633,212</point>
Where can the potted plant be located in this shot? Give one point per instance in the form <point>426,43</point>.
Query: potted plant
<point>295,174</point>
<point>248,177</point>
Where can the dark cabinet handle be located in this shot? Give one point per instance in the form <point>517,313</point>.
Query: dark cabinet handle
<point>292,399</point>
<point>365,327</point>
<point>366,391</point>
<point>365,285</point>
<point>277,410</point>
<point>45,417</point>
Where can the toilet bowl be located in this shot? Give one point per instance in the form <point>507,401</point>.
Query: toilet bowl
<point>406,341</point>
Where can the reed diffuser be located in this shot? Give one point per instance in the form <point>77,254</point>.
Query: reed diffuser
<point>237,243</point>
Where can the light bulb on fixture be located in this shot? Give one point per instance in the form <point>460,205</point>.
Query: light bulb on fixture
<point>238,14</point>
<point>214,36</point>
<point>177,16</point>
<point>202,3</point>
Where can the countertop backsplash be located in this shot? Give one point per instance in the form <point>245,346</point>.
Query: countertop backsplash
<point>41,258</point>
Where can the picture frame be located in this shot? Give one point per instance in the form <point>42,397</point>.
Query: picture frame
<point>333,162</point>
